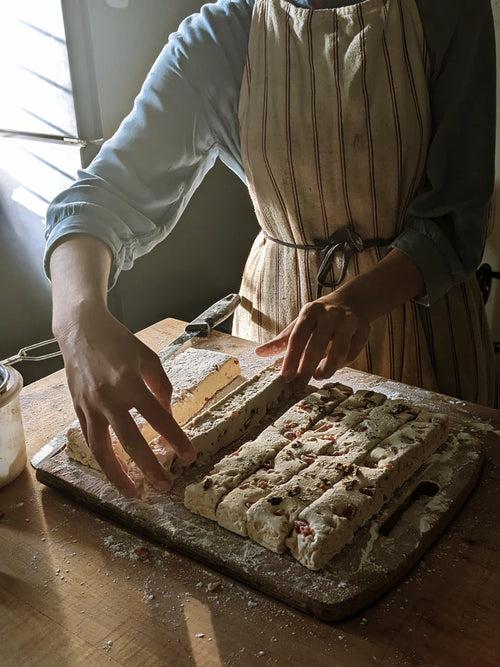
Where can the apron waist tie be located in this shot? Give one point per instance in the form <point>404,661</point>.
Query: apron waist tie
<point>337,252</point>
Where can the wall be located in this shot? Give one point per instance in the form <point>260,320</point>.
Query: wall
<point>203,258</point>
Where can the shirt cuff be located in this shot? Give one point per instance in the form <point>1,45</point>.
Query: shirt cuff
<point>82,224</point>
<point>431,262</point>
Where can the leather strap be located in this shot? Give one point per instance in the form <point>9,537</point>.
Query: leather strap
<point>338,249</point>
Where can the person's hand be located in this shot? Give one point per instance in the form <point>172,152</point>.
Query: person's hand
<point>327,335</point>
<point>109,372</point>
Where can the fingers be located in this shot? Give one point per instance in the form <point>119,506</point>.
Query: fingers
<point>99,441</point>
<point>277,344</point>
<point>322,339</point>
<point>138,449</point>
<point>337,355</point>
<point>154,410</point>
<point>315,350</point>
<point>358,342</point>
<point>346,346</point>
<point>157,380</point>
<point>163,422</point>
<point>83,422</point>
<point>302,330</point>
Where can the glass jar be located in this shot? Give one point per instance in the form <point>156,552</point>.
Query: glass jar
<point>12,442</point>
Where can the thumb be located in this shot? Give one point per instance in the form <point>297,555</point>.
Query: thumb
<point>277,344</point>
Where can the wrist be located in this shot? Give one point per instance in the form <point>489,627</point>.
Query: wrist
<point>351,298</point>
<point>79,268</point>
<point>389,284</point>
<point>73,317</point>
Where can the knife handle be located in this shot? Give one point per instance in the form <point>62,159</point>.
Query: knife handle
<point>214,315</point>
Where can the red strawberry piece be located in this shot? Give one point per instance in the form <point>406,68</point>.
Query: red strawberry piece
<point>143,554</point>
<point>303,528</point>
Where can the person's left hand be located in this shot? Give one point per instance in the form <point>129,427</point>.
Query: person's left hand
<point>327,335</point>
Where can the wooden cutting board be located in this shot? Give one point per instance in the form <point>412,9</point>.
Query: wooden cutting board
<point>382,552</point>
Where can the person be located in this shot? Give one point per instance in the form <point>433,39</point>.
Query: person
<point>365,132</point>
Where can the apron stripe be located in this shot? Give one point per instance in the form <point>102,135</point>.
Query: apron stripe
<point>264,137</point>
<point>417,342</point>
<point>453,348</point>
<point>278,295</point>
<point>258,275</point>
<point>314,119</point>
<point>345,187</point>
<point>289,131</point>
<point>295,193</point>
<point>403,343</point>
<point>369,135</point>
<point>414,94</point>
<point>390,328</point>
<point>430,337</point>
<point>260,312</point>
<point>249,84</point>
<point>394,103</point>
<point>249,71</point>
<point>399,163</point>
<point>371,165</point>
<point>425,58</point>
<point>474,345</point>
<point>336,67</point>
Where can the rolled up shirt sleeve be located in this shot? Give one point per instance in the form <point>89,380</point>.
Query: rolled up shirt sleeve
<point>447,222</point>
<point>137,187</point>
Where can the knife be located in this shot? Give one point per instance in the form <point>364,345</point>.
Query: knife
<point>200,327</point>
<point>49,450</point>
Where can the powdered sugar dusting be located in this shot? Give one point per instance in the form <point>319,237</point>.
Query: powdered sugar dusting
<point>365,564</point>
<point>186,369</point>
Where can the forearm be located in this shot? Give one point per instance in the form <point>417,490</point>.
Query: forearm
<point>393,281</point>
<point>79,269</point>
<point>108,369</point>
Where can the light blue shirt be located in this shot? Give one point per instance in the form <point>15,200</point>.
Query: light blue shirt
<point>185,117</point>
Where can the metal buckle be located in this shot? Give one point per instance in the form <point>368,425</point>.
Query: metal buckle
<point>338,251</point>
<point>356,241</point>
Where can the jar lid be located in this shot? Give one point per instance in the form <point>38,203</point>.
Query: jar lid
<point>4,378</point>
<point>11,383</point>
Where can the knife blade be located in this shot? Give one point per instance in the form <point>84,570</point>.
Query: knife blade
<point>49,450</point>
<point>202,325</point>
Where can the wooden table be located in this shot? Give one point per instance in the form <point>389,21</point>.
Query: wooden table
<point>76,590</point>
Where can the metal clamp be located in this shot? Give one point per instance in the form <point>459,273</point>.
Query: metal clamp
<point>24,353</point>
<point>51,138</point>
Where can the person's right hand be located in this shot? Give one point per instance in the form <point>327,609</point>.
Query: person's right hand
<point>109,372</point>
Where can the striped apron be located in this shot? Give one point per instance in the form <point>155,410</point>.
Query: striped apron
<point>335,124</point>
